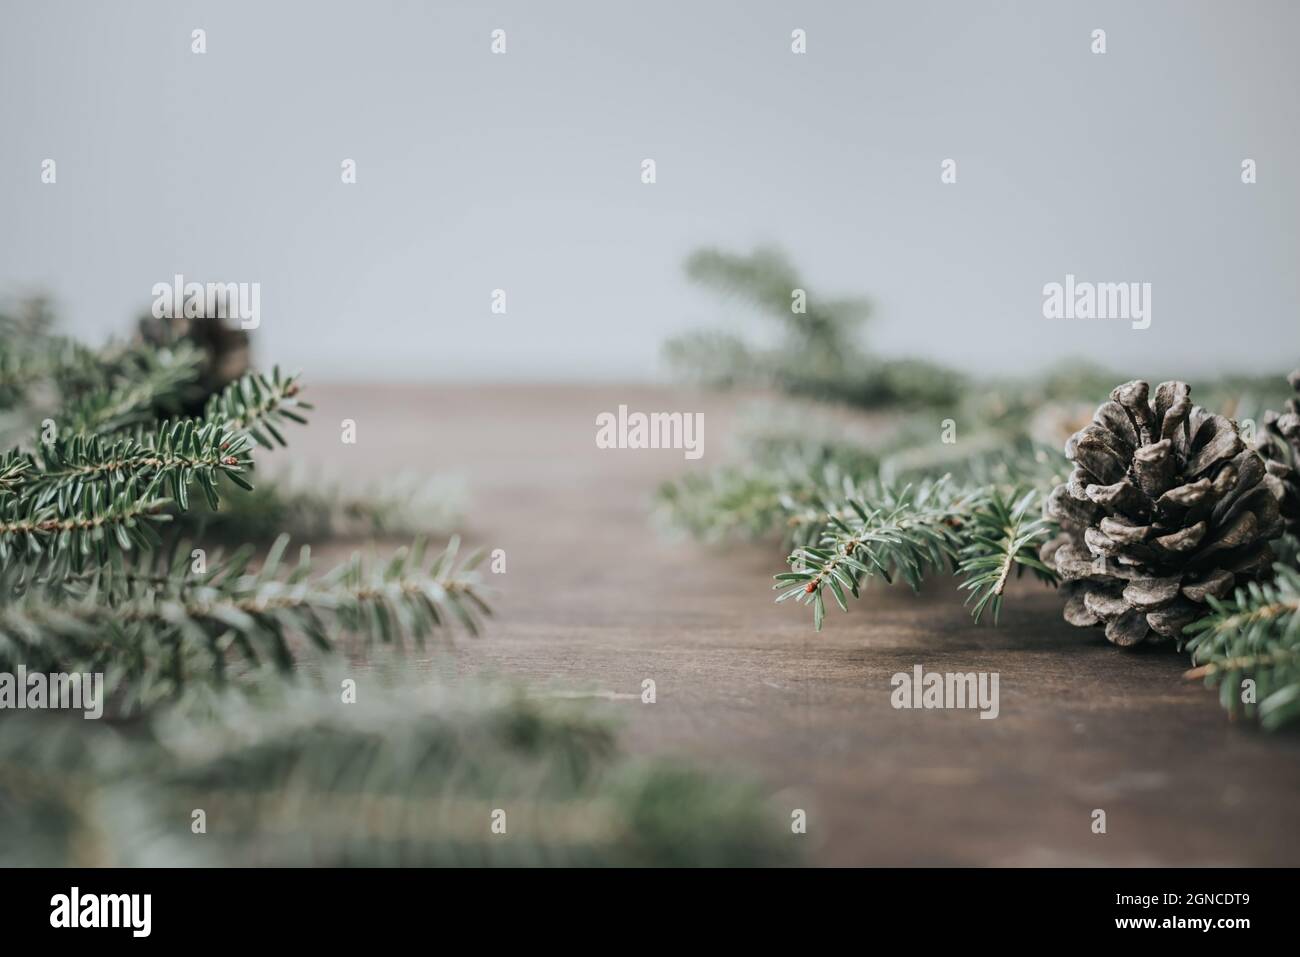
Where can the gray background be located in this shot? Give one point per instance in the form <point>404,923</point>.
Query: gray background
<point>522,171</point>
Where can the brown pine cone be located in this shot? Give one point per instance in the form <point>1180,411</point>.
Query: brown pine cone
<point>1279,443</point>
<point>225,347</point>
<point>1166,506</point>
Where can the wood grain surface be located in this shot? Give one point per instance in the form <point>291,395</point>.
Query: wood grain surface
<point>596,599</point>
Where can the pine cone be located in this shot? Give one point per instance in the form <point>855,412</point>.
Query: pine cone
<point>225,348</point>
<point>1279,443</point>
<point>1166,506</point>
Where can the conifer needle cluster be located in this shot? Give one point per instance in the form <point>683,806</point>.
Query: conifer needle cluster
<point>92,578</point>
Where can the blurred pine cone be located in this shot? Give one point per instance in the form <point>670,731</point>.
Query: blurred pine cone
<point>1166,506</point>
<point>1279,443</point>
<point>225,348</point>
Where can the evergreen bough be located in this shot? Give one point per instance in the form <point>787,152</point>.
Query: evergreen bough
<point>92,580</point>
<point>1253,635</point>
<point>979,533</point>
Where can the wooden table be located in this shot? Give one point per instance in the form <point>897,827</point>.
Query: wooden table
<point>595,599</point>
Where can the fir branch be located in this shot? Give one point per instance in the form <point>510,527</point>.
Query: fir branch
<point>159,623</point>
<point>138,384</point>
<point>718,360</point>
<point>176,455</point>
<point>818,356</point>
<point>780,487</point>
<point>258,406</point>
<point>27,362</point>
<point>1001,538</point>
<point>903,534</point>
<point>789,470</point>
<point>987,456</point>
<point>31,356</point>
<point>103,522</point>
<point>767,279</point>
<point>730,501</point>
<point>14,470</point>
<point>84,497</point>
<point>1256,635</point>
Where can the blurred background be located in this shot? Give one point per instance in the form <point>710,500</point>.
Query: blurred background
<point>522,172</point>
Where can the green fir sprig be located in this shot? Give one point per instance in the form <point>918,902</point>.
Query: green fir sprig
<point>146,382</point>
<point>903,533</point>
<point>259,406</point>
<point>89,582</point>
<point>159,622</point>
<point>1001,540</point>
<point>1255,636</point>
<point>177,454</point>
